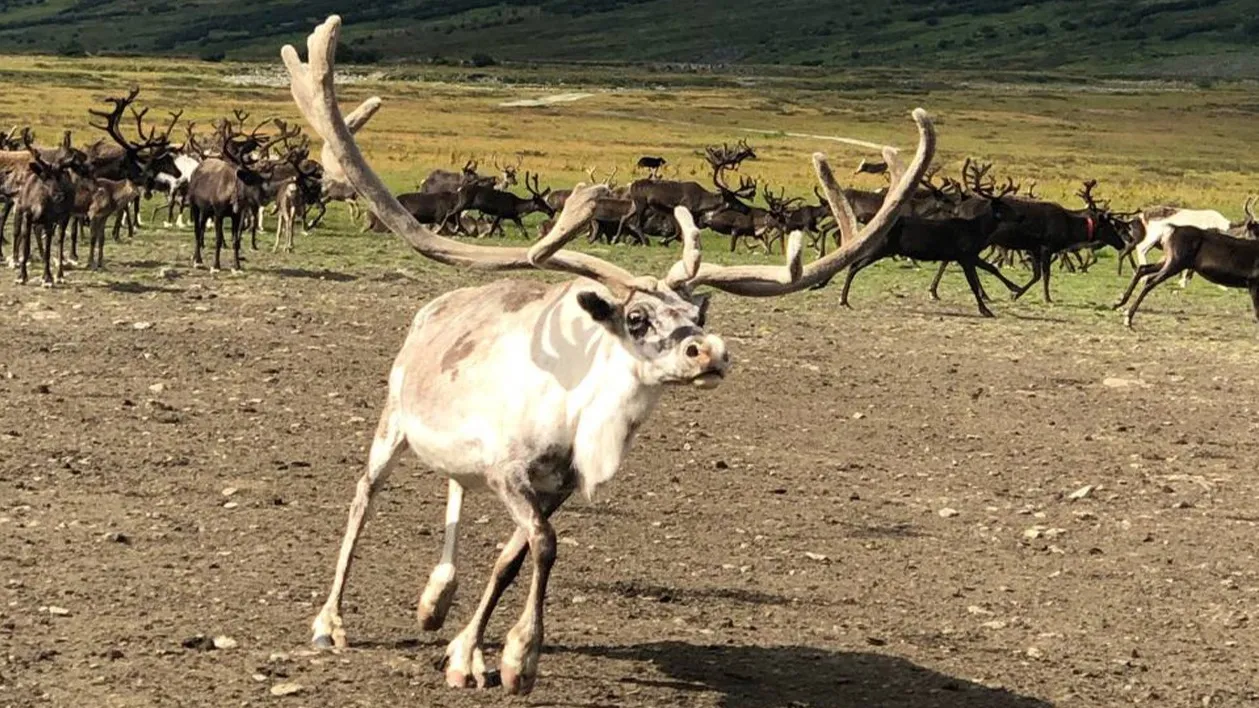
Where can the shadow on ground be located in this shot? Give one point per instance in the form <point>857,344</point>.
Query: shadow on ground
<point>805,677</point>
<point>320,274</point>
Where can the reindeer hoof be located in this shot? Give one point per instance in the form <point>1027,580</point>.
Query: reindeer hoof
<point>517,684</point>
<point>45,283</point>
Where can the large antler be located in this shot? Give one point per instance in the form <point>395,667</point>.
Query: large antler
<point>1087,195</point>
<point>315,94</point>
<point>113,118</point>
<point>1249,210</point>
<point>332,171</point>
<point>765,281</point>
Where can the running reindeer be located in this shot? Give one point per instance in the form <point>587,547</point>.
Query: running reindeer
<point>533,390</point>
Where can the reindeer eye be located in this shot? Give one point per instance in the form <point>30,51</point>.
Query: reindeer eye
<point>636,322</point>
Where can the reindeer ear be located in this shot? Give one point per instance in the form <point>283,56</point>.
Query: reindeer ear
<point>599,309</point>
<point>701,300</point>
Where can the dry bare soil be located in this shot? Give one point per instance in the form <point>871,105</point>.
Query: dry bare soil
<point>875,510</point>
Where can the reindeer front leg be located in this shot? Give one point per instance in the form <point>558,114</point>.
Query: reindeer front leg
<point>464,660</point>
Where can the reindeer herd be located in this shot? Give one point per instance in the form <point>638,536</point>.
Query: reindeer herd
<point>229,177</point>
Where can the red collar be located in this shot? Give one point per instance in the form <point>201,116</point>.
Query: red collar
<point>1092,226</point>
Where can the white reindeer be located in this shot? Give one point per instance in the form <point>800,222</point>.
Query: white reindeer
<point>175,186</point>
<point>533,390</point>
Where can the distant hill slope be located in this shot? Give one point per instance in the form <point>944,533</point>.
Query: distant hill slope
<point>1192,38</point>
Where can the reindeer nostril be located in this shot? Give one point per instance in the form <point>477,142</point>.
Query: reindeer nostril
<point>692,351</point>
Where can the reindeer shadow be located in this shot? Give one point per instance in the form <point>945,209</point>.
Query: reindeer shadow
<point>805,677</point>
<point>138,288</point>
<point>321,274</point>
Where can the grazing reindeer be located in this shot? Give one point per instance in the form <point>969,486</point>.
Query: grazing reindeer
<point>498,204</point>
<point>652,164</point>
<point>534,391</point>
<point>45,200</point>
<point>1221,258</point>
<point>808,218</point>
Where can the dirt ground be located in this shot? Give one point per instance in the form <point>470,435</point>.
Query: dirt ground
<point>874,510</point>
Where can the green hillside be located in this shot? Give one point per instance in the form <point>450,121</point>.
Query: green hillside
<point>1188,38</point>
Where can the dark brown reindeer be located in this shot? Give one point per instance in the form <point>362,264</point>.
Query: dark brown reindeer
<point>44,200</point>
<point>229,186</point>
<point>432,208</point>
<point>959,239</point>
<point>1227,259</point>
<point>652,164</point>
<point>498,204</point>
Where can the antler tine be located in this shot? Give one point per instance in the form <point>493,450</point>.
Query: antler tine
<point>28,141</point>
<point>766,281</point>
<point>313,89</point>
<point>1248,207</point>
<point>895,168</point>
<point>146,139</point>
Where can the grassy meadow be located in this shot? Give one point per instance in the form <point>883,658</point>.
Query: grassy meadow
<point>1145,142</point>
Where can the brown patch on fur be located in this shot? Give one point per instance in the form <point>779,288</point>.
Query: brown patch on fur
<point>457,353</point>
<point>1159,212</point>
<point>438,308</point>
<point>517,294</point>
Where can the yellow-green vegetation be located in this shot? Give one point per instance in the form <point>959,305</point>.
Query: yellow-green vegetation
<point>1145,143</point>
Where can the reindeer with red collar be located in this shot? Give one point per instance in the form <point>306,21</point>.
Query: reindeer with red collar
<point>534,390</point>
<point>1044,229</point>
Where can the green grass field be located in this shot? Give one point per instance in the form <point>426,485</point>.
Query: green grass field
<point>1148,143</point>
